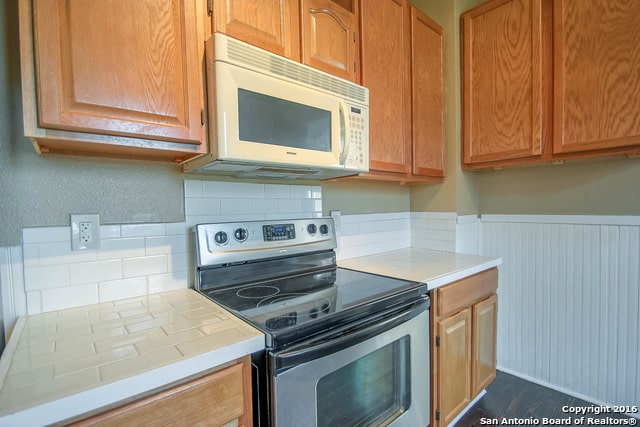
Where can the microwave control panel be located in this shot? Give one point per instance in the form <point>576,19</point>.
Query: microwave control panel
<point>358,135</point>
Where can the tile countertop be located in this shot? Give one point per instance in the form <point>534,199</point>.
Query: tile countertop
<point>435,268</point>
<point>65,363</point>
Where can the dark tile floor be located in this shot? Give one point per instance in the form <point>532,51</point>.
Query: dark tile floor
<point>511,398</point>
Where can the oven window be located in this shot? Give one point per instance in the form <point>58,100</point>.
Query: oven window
<point>372,390</point>
<point>274,121</point>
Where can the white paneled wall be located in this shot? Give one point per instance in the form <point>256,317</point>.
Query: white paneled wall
<point>469,234</point>
<point>569,313</point>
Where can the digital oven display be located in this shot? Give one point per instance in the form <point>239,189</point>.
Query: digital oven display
<point>278,232</point>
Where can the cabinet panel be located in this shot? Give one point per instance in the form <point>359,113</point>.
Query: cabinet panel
<point>119,67</point>
<point>229,389</point>
<point>505,81</point>
<point>596,75</point>
<point>485,318</point>
<point>385,46</point>
<point>465,292</point>
<point>427,86</point>
<point>329,38</point>
<point>454,361</point>
<point>272,25</point>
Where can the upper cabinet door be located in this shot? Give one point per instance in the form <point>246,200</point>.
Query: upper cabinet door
<point>427,85</point>
<point>272,25</point>
<point>504,81</point>
<point>386,71</point>
<point>330,37</point>
<point>596,74</point>
<point>120,67</point>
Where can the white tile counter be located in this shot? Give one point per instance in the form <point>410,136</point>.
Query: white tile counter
<point>435,268</point>
<point>64,363</point>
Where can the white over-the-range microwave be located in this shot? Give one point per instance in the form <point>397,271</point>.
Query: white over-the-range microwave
<point>270,117</point>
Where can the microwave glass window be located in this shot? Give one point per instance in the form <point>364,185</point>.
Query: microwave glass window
<point>268,120</point>
<point>373,390</point>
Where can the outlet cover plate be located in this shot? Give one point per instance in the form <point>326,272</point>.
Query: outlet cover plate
<point>85,232</point>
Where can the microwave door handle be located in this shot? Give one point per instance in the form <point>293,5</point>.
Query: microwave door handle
<point>344,131</point>
<point>289,358</point>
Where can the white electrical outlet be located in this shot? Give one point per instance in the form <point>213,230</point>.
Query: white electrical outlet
<point>85,232</point>
<point>336,220</point>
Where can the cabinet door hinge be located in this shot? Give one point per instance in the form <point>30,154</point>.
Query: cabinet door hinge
<point>210,7</point>
<point>202,117</point>
<point>437,415</point>
<point>437,340</point>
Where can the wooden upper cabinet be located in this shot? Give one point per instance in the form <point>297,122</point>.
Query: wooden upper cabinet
<point>127,68</point>
<point>596,75</point>
<point>504,81</point>
<point>330,37</point>
<point>272,25</point>
<point>428,103</point>
<point>386,52</point>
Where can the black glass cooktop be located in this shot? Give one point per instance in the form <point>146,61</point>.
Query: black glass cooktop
<point>295,307</point>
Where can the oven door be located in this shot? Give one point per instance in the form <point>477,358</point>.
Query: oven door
<point>360,375</point>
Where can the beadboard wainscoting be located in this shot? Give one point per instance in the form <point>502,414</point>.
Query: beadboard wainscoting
<point>569,311</point>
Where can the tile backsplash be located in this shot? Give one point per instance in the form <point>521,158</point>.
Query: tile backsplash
<point>139,259</point>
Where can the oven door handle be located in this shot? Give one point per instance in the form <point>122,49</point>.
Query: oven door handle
<point>345,337</point>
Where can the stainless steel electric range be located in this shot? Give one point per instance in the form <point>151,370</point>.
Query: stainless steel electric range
<point>343,347</point>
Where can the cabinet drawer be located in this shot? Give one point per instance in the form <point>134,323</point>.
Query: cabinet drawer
<point>186,404</point>
<point>461,294</point>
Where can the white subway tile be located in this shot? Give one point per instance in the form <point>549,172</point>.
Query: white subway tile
<point>178,261</point>
<point>69,296</point>
<point>168,281</point>
<point>57,253</point>
<point>173,228</point>
<point>30,255</point>
<point>143,230</point>
<point>300,192</point>
<point>97,271</point>
<point>121,248</point>
<point>311,205</point>
<point>278,191</point>
<point>235,206</point>
<point>219,189</point>
<point>250,191</point>
<point>51,276</point>
<point>316,192</point>
<point>193,188</point>
<point>165,244</point>
<point>46,234</point>
<point>123,288</point>
<point>264,206</point>
<point>289,206</point>
<point>109,231</point>
<point>191,220</point>
<point>34,302</point>
<point>143,266</point>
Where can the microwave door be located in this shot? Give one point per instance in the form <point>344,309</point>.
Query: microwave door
<point>274,120</point>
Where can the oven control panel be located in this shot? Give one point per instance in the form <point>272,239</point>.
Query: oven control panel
<point>230,242</point>
<point>279,232</point>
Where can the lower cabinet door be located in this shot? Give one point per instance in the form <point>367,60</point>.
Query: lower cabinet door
<point>485,317</point>
<point>454,361</point>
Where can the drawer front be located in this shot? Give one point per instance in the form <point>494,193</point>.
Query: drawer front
<point>188,404</point>
<point>456,296</point>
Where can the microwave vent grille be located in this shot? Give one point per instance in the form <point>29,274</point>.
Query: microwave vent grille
<point>268,62</point>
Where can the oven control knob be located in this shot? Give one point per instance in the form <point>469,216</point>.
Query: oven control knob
<point>324,229</point>
<point>312,229</point>
<point>241,234</point>
<point>313,313</point>
<point>220,238</point>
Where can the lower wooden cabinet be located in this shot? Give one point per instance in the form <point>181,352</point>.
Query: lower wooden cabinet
<point>464,318</point>
<point>217,399</point>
